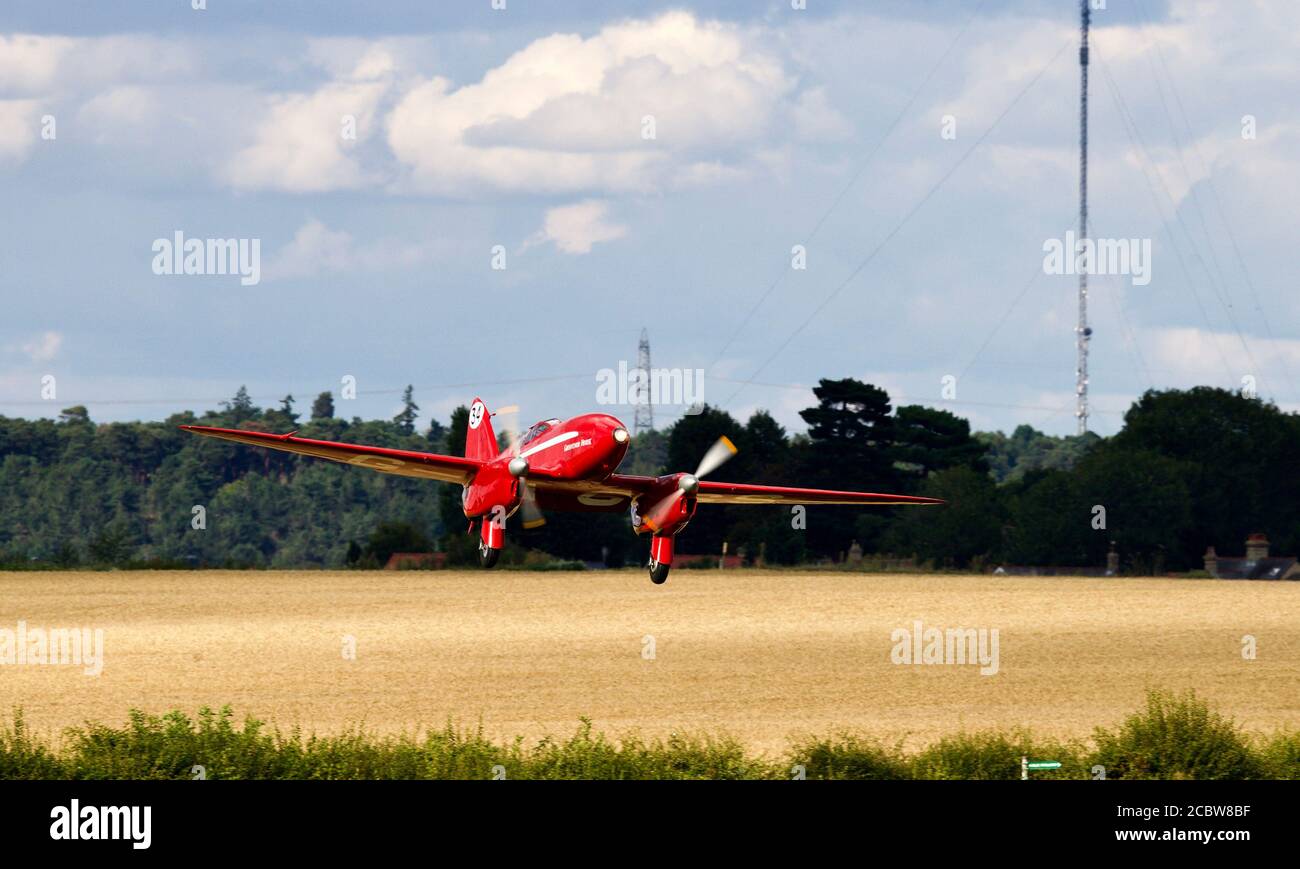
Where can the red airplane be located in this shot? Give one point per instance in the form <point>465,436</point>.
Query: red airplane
<point>558,465</point>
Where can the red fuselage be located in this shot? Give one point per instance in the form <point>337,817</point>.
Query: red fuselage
<point>587,448</point>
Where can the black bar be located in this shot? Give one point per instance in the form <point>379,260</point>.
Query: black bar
<point>329,818</point>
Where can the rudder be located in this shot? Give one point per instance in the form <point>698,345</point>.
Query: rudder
<point>480,440</point>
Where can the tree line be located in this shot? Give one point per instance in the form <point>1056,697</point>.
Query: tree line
<point>1189,468</point>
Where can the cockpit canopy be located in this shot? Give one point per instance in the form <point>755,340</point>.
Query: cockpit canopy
<point>537,430</point>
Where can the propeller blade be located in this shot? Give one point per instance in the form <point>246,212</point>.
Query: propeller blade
<point>532,514</point>
<point>717,456</point>
<point>512,428</point>
<point>656,517</point>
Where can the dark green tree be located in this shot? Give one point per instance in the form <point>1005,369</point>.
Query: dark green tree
<point>764,450</point>
<point>765,457</point>
<point>692,435</point>
<point>1026,449</point>
<point>461,548</point>
<point>112,545</point>
<point>240,408</point>
<point>1147,503</point>
<point>1241,463</point>
<point>928,440</point>
<point>76,415</point>
<point>323,406</point>
<point>966,531</point>
<point>436,436</point>
<point>851,434</point>
<point>850,446</point>
<point>390,537</point>
<point>1048,521</point>
<point>646,454</point>
<point>410,410</point>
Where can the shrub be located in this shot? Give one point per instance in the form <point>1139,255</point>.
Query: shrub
<point>1179,737</point>
<point>1280,756</point>
<point>588,756</point>
<point>996,755</point>
<point>21,757</point>
<point>851,758</point>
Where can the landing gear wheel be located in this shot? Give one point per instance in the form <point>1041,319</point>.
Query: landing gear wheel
<point>659,572</point>
<point>487,556</point>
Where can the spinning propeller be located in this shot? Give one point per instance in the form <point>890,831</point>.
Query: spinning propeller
<point>518,467</point>
<point>688,484</point>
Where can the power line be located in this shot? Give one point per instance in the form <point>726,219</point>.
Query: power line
<point>852,181</point>
<point>1209,181</point>
<point>1131,343</point>
<point>1006,314</point>
<point>1177,216</point>
<point>899,226</point>
<point>1138,144</point>
<point>900,397</point>
<point>1218,284</point>
<point>385,391</point>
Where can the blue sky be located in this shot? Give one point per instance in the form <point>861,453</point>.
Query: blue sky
<point>523,130</point>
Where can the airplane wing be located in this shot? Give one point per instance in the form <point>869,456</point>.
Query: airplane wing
<point>744,493</point>
<point>614,491</point>
<point>407,463</point>
<point>631,486</point>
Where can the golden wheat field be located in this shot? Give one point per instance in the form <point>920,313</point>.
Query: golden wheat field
<point>759,655</point>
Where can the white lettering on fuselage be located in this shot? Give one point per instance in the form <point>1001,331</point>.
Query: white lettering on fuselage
<point>549,442</point>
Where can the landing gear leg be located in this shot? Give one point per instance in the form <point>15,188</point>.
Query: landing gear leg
<point>661,558</point>
<point>491,539</point>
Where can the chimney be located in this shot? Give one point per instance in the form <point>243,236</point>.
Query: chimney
<point>1211,561</point>
<point>1256,547</point>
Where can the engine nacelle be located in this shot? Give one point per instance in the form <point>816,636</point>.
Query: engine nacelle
<point>667,507</point>
<point>493,486</point>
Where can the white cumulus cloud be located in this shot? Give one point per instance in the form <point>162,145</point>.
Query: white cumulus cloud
<point>575,228</point>
<point>307,142</point>
<point>623,110</point>
<point>43,347</point>
<point>19,122</point>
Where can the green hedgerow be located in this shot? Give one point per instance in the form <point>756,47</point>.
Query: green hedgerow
<point>852,758</point>
<point>1176,737</point>
<point>996,755</point>
<point>1280,756</point>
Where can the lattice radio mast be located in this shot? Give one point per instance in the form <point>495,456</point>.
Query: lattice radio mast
<point>644,420</point>
<point>1083,334</point>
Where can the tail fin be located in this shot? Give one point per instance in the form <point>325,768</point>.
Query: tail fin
<point>480,440</point>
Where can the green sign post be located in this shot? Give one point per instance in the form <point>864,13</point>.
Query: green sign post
<point>1026,765</point>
